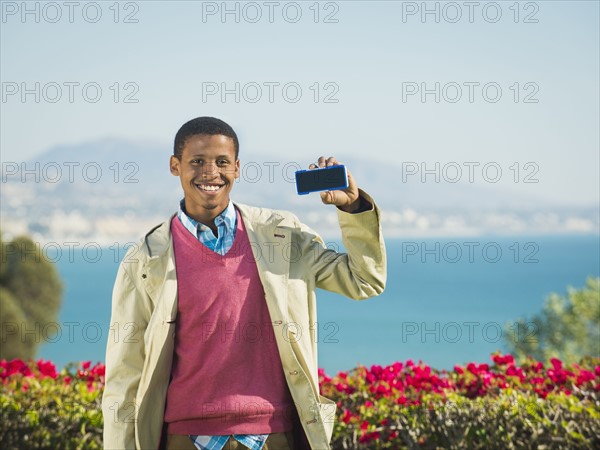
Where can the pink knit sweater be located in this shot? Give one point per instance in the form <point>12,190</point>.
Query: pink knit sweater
<point>227,376</point>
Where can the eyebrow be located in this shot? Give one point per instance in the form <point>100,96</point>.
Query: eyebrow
<point>217,157</point>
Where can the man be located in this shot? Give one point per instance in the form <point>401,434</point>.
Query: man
<point>213,313</point>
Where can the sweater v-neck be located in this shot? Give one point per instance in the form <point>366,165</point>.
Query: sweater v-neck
<point>207,253</point>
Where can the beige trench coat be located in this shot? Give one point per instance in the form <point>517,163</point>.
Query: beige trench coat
<point>292,262</point>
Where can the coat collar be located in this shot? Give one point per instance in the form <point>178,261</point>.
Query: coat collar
<point>158,240</point>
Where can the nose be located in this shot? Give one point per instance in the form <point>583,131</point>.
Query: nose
<point>210,169</point>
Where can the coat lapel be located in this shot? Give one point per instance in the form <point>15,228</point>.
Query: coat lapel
<point>268,239</point>
<point>160,271</point>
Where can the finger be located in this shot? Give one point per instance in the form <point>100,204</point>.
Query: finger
<point>327,197</point>
<point>312,166</point>
<point>322,161</point>
<point>331,161</point>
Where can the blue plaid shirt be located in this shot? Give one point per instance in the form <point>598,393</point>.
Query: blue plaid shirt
<point>252,441</point>
<point>226,223</point>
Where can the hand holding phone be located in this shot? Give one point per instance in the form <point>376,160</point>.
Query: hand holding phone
<point>336,185</point>
<point>324,179</point>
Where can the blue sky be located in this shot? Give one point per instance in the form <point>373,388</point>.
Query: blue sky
<point>369,57</point>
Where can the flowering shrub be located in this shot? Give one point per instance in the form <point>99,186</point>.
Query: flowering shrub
<point>400,406</point>
<point>408,405</point>
<point>44,409</point>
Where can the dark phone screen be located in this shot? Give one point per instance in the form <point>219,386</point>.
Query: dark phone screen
<point>333,177</point>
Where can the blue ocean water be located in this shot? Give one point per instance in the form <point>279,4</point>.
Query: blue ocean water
<point>446,300</point>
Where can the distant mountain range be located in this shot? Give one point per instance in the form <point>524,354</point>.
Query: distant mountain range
<point>112,190</point>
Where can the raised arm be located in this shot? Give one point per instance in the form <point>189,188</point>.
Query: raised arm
<point>359,274</point>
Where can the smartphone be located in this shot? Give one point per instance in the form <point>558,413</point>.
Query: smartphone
<point>325,179</point>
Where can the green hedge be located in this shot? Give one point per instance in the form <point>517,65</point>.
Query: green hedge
<point>503,406</point>
<point>400,406</point>
<point>42,409</point>
<point>513,420</point>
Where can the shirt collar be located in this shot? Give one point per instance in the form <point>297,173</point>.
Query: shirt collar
<point>227,218</point>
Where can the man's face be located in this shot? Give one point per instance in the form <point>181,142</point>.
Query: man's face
<point>207,171</point>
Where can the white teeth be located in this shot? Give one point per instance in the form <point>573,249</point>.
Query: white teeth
<point>209,188</point>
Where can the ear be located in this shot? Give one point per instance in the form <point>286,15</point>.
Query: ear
<point>237,169</point>
<point>174,166</point>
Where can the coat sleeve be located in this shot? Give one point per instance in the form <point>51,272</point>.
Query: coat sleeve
<point>125,355</point>
<point>359,274</point>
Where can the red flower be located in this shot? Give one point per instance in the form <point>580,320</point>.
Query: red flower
<point>541,392</point>
<point>398,367</point>
<point>368,437</point>
<point>382,390</point>
<point>322,374</point>
<point>502,360</point>
<point>584,376</point>
<point>515,372</point>
<point>99,370</point>
<point>15,366</point>
<point>47,369</point>
<point>347,416</point>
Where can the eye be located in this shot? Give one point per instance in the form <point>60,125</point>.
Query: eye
<point>196,161</point>
<point>222,162</point>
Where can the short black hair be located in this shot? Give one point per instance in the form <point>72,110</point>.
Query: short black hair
<point>204,125</point>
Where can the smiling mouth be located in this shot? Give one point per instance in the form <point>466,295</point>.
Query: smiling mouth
<point>209,187</point>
